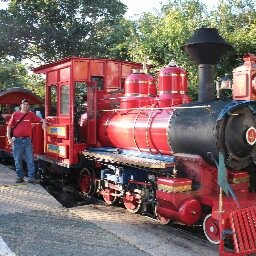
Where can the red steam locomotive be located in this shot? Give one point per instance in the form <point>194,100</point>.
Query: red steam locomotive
<point>127,137</point>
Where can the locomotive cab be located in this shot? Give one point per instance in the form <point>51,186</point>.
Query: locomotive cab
<point>75,89</point>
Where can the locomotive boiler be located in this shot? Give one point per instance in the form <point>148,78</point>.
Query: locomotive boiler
<point>128,137</point>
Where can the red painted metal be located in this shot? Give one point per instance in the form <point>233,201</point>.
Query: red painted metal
<point>244,79</point>
<point>201,173</point>
<point>172,86</point>
<point>85,184</point>
<point>170,79</point>
<point>137,84</point>
<point>135,102</point>
<point>251,215</point>
<point>37,138</point>
<point>132,201</point>
<point>242,225</point>
<point>14,96</point>
<point>138,87</point>
<point>143,130</point>
<point>161,218</point>
<point>91,117</point>
<point>188,212</point>
<point>152,91</point>
<point>174,184</point>
<point>87,181</point>
<point>212,229</point>
<point>186,206</point>
<point>68,72</point>
<point>3,139</point>
<point>242,229</point>
<point>109,196</point>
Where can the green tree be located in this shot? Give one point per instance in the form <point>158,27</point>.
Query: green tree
<point>52,30</point>
<point>118,39</point>
<point>161,36</point>
<point>15,74</point>
<point>236,21</point>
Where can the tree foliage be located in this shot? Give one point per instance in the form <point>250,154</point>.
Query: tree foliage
<point>236,21</point>
<point>15,74</point>
<point>55,29</point>
<point>160,36</point>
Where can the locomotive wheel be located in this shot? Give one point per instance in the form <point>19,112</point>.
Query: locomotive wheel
<point>161,219</point>
<point>86,181</point>
<point>211,229</point>
<point>108,197</point>
<point>134,205</point>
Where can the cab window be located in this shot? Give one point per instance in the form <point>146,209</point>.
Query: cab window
<point>52,109</point>
<point>80,96</point>
<point>64,99</point>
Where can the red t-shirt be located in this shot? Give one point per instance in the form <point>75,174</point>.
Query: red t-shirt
<point>24,128</point>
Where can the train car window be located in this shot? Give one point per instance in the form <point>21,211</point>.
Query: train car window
<point>4,109</point>
<point>52,111</point>
<point>64,99</point>
<point>99,80</point>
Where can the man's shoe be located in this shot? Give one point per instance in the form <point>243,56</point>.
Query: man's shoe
<point>34,181</point>
<point>19,180</point>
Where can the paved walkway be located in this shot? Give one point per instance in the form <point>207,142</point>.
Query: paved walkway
<point>32,223</point>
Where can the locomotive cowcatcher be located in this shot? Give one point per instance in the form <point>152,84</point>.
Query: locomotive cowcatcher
<point>130,138</point>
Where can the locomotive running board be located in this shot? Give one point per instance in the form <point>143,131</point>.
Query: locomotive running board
<point>243,230</point>
<point>123,157</point>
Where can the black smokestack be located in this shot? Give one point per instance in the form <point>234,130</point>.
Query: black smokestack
<point>206,47</point>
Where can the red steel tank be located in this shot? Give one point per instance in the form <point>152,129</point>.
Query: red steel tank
<point>138,88</point>
<point>152,91</point>
<point>145,130</point>
<point>172,86</point>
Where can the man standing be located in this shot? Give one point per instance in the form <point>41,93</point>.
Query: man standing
<point>21,140</point>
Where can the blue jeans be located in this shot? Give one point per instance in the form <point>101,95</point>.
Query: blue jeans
<point>20,147</point>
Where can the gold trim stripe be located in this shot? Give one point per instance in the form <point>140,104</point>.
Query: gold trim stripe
<point>174,189</point>
<point>239,180</point>
<point>135,94</point>
<point>136,81</point>
<point>171,74</point>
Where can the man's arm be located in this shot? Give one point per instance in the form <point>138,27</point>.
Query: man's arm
<point>8,134</point>
<point>38,119</point>
<point>44,124</point>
